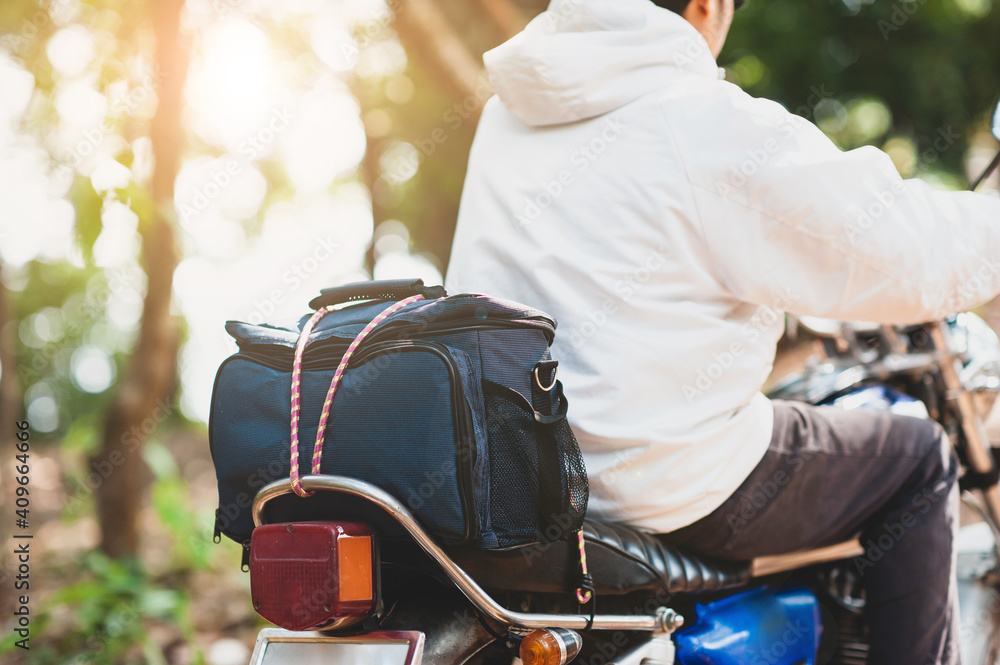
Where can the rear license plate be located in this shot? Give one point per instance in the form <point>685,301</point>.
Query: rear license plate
<point>284,647</point>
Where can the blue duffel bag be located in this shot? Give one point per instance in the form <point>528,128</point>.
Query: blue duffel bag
<point>450,403</point>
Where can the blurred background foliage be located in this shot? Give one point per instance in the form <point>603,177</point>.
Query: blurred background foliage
<point>899,75</point>
<point>167,165</point>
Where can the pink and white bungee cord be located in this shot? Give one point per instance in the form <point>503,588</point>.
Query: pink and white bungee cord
<point>300,348</point>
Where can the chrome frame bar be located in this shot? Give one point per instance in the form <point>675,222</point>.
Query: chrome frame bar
<point>664,621</point>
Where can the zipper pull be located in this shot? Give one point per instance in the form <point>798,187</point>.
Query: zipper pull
<point>217,534</point>
<point>245,563</point>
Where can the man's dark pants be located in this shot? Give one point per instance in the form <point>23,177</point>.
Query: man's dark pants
<point>830,474</point>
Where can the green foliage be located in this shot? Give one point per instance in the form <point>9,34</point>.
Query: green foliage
<point>26,26</point>
<point>69,300</point>
<point>415,108</point>
<point>61,308</point>
<point>441,129</point>
<point>923,67</point>
<point>105,616</point>
<point>104,619</point>
<point>188,528</point>
<point>88,204</point>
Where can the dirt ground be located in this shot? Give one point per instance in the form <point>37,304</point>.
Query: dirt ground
<point>223,620</point>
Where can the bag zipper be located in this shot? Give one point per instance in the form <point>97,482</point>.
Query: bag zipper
<point>459,327</point>
<point>465,440</point>
<point>217,532</point>
<point>465,446</point>
<point>338,343</point>
<point>245,561</point>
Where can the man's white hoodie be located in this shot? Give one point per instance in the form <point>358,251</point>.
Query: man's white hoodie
<point>667,220</point>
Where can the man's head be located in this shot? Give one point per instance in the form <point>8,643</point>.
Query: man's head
<point>711,18</point>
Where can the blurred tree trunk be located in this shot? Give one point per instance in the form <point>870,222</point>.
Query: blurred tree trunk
<point>507,16</point>
<point>143,399</point>
<point>426,32</point>
<point>435,34</point>
<point>431,39</point>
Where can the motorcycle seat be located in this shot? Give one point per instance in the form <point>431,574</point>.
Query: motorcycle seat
<point>620,559</point>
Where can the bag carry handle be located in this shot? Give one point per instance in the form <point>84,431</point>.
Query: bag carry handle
<point>300,348</point>
<point>386,289</point>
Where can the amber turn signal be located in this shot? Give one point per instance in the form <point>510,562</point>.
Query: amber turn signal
<point>552,646</point>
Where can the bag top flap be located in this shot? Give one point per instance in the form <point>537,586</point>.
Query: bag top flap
<point>465,309</point>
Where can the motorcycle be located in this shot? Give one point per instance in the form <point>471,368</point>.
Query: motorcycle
<point>382,590</point>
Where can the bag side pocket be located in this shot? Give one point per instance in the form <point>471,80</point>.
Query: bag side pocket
<point>538,490</point>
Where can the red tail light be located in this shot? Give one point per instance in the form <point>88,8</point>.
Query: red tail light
<point>313,575</point>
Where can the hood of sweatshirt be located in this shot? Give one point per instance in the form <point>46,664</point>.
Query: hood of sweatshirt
<point>583,58</point>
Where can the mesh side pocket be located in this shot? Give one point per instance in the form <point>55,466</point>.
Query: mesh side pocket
<point>569,472</point>
<point>514,504</point>
<point>538,482</point>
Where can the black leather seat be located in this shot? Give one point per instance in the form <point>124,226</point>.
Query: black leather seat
<point>620,559</point>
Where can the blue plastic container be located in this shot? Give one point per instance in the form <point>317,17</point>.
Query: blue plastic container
<point>756,627</point>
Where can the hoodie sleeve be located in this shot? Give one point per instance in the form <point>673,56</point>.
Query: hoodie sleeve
<point>790,218</point>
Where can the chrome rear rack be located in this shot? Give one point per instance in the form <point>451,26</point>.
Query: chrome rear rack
<point>664,620</point>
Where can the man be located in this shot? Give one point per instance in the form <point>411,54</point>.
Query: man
<point>667,220</point>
